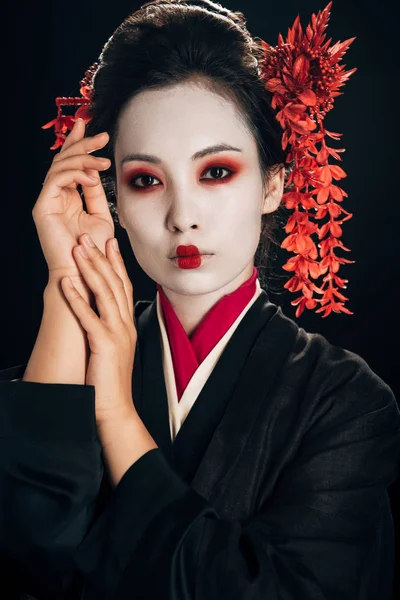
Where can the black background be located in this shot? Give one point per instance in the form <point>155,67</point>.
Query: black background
<point>48,47</point>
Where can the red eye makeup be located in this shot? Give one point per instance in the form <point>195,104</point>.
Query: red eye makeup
<point>141,180</point>
<point>131,177</point>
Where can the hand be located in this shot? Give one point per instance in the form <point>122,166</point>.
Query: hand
<point>58,213</point>
<point>112,335</point>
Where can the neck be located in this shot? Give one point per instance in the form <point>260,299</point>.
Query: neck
<point>191,309</point>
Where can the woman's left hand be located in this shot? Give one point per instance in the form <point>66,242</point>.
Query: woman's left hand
<point>112,335</point>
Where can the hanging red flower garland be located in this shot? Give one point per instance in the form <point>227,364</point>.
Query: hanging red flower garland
<point>303,74</point>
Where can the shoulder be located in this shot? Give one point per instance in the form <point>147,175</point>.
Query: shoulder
<point>344,385</point>
<point>336,365</point>
<point>332,383</point>
<point>346,418</point>
<point>329,366</point>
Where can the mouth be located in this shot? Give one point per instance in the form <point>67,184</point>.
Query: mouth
<point>188,251</point>
<point>189,256</point>
<point>193,261</point>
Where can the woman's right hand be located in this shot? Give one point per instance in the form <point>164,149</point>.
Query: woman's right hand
<point>58,212</point>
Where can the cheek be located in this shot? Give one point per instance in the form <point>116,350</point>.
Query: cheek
<point>134,216</point>
<point>135,222</point>
<point>245,211</point>
<point>244,225</point>
<point>141,227</point>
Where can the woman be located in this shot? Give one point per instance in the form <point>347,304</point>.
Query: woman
<point>243,457</point>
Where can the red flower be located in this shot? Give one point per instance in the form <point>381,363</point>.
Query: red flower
<point>303,75</point>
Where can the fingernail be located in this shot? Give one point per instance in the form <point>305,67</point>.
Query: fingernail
<point>115,245</point>
<point>83,252</point>
<point>88,240</point>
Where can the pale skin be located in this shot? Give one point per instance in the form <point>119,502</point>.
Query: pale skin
<point>61,352</point>
<point>112,338</point>
<point>220,218</point>
<point>184,205</point>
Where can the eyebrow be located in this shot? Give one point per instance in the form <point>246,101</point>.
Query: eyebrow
<point>200,154</point>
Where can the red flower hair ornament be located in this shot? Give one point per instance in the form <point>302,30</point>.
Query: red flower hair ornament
<point>303,75</point>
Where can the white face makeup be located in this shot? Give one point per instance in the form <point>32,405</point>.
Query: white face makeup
<point>214,202</point>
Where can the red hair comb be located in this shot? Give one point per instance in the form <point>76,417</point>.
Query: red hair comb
<point>63,123</point>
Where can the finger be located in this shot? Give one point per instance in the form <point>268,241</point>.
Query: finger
<point>79,144</point>
<point>117,262</point>
<point>95,196</point>
<point>124,292</point>
<point>57,181</point>
<point>76,134</point>
<point>108,291</point>
<point>73,136</point>
<point>86,315</point>
<point>80,161</point>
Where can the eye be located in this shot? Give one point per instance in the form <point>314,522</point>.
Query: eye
<point>219,168</point>
<point>149,178</point>
<point>142,176</point>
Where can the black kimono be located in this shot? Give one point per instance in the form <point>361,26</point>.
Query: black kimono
<point>275,487</point>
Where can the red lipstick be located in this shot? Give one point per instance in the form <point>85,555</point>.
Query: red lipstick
<point>187,251</point>
<point>189,257</point>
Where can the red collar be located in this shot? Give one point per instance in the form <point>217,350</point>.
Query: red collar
<point>188,353</point>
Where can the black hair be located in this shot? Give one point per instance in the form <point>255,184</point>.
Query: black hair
<point>166,42</point>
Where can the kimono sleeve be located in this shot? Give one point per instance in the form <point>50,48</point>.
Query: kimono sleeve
<point>50,474</point>
<point>315,538</point>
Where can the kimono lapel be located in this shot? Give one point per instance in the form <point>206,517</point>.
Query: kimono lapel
<point>148,385</point>
<point>216,428</point>
<point>180,408</point>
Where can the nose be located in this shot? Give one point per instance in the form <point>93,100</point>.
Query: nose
<point>184,212</point>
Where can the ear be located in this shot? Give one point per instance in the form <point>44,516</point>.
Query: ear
<point>273,195</point>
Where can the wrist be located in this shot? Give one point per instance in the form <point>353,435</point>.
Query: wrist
<point>54,289</point>
<point>61,350</point>
<point>119,418</point>
<point>112,430</point>
<point>124,440</point>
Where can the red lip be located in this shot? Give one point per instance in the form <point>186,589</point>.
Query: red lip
<point>187,251</point>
